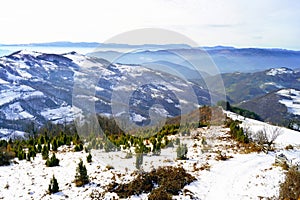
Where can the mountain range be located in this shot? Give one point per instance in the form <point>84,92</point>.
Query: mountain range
<point>225,59</point>
<point>39,87</point>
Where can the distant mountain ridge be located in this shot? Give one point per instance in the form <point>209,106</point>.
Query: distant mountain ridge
<point>101,45</point>
<point>226,59</point>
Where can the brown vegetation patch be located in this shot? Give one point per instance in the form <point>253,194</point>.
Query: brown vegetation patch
<point>162,183</point>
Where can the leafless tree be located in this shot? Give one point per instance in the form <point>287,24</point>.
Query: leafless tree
<point>267,135</point>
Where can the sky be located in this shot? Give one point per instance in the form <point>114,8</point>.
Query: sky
<point>239,23</point>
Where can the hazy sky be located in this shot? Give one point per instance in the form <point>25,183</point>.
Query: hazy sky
<point>240,23</point>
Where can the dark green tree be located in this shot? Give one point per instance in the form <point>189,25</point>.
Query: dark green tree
<point>54,145</point>
<point>39,148</point>
<point>53,187</point>
<point>78,147</point>
<point>138,160</point>
<point>181,151</point>
<point>53,161</point>
<point>45,152</point>
<point>81,177</point>
<point>21,154</point>
<point>89,158</point>
<point>42,139</point>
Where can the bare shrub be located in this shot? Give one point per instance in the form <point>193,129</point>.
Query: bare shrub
<point>289,147</point>
<point>222,156</point>
<point>170,180</point>
<point>267,135</point>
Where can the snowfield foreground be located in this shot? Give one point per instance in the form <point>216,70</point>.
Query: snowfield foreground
<point>241,176</point>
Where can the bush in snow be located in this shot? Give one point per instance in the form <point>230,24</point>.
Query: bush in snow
<point>5,157</point>
<point>45,152</point>
<point>89,158</point>
<point>53,161</point>
<point>78,147</point>
<point>181,152</point>
<point>53,187</point>
<point>139,160</point>
<point>267,135</point>
<point>162,183</point>
<point>54,144</point>
<point>81,177</point>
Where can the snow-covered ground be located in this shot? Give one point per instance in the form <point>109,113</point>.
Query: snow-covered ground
<point>291,99</point>
<point>243,176</point>
<point>286,137</point>
<point>6,134</point>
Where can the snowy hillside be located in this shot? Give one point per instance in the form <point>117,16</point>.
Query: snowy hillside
<point>291,99</point>
<point>43,87</point>
<point>240,176</point>
<point>277,71</point>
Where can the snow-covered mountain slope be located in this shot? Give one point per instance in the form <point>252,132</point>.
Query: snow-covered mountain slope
<point>242,87</point>
<point>291,99</point>
<point>43,87</point>
<point>286,137</point>
<point>277,71</point>
<point>35,87</point>
<point>279,107</point>
<point>243,176</point>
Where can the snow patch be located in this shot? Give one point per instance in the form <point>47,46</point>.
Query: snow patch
<point>137,117</point>
<point>62,114</point>
<point>278,71</point>
<point>291,100</point>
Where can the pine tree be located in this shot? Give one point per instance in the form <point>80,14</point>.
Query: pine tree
<point>32,152</point>
<point>78,147</point>
<point>42,140</point>
<point>39,148</point>
<point>54,145</point>
<point>21,154</point>
<point>181,151</point>
<point>81,177</point>
<point>45,152</point>
<point>53,161</point>
<point>28,156</point>
<point>89,158</point>
<point>53,187</point>
<point>139,160</point>
<point>48,145</point>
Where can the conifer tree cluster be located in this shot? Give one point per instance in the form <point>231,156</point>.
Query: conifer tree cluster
<point>237,132</point>
<point>46,139</point>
